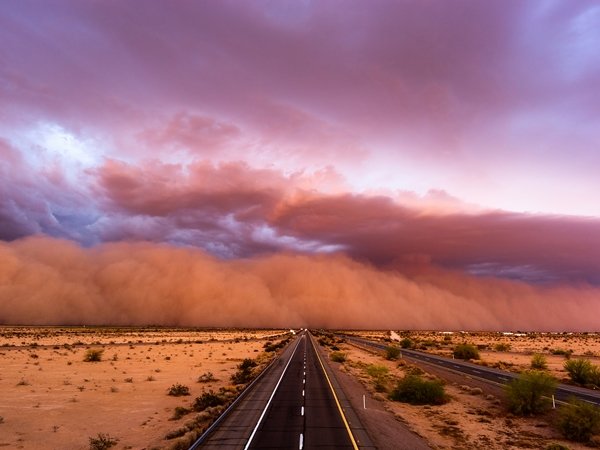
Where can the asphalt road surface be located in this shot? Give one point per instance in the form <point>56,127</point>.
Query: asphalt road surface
<point>293,407</point>
<point>563,391</point>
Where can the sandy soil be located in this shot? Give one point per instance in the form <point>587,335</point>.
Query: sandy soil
<point>474,418</point>
<point>52,399</point>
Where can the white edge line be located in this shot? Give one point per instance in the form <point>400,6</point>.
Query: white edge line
<point>247,446</point>
<point>301,445</point>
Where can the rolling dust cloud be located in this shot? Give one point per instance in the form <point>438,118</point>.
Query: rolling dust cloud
<point>47,281</point>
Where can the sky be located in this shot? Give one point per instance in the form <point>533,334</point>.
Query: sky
<point>443,153</point>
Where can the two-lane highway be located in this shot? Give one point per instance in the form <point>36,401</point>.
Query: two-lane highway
<point>300,410</point>
<point>303,413</point>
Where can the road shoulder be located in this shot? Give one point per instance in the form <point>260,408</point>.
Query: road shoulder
<point>373,426</point>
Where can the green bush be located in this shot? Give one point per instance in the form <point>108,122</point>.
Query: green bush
<point>392,352</point>
<point>338,357</point>
<point>415,390</point>
<point>406,343</point>
<point>528,394</point>
<point>559,351</point>
<point>538,361</point>
<point>582,371</point>
<point>579,420</point>
<point>102,442</point>
<point>178,390</point>
<point>378,373</point>
<point>208,400</point>
<point>466,351</point>
<point>93,355</point>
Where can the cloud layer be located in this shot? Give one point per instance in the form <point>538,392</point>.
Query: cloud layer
<point>49,281</point>
<point>424,146</point>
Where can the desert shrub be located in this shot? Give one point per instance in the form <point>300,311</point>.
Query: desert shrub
<point>378,373</point>
<point>272,347</point>
<point>579,420</point>
<point>179,412</point>
<point>392,352</point>
<point>244,373</point>
<point>466,351</point>
<point>93,355</point>
<point>582,371</point>
<point>415,390</point>
<point>502,347</point>
<point>406,343</point>
<point>176,433</point>
<point>555,446</point>
<point>208,400</point>
<point>538,361</point>
<point>528,394</point>
<point>206,377</point>
<point>102,442</point>
<point>178,390</point>
<point>1,419</point>
<point>559,351</point>
<point>338,357</point>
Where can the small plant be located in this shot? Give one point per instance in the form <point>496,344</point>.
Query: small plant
<point>555,446</point>
<point>93,355</point>
<point>179,412</point>
<point>244,373</point>
<point>338,357</point>
<point>206,378</point>
<point>1,420</point>
<point>150,378</point>
<point>392,352</point>
<point>579,420</point>
<point>528,394</point>
<point>502,347</point>
<point>559,351</point>
<point>406,343</point>
<point>415,390</point>
<point>378,373</point>
<point>582,371</point>
<point>178,390</point>
<point>129,380</point>
<point>538,361</point>
<point>466,351</point>
<point>102,442</point>
<point>23,382</point>
<point>208,400</point>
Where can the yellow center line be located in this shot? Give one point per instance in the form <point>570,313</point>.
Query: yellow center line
<point>337,402</point>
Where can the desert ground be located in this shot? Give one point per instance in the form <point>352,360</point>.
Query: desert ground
<point>475,417</point>
<point>53,399</point>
